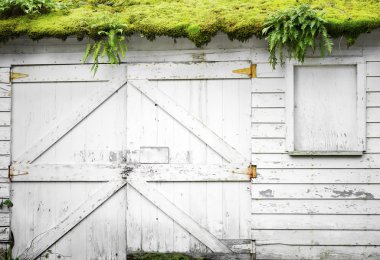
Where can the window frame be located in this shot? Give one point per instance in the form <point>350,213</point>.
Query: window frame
<point>360,108</point>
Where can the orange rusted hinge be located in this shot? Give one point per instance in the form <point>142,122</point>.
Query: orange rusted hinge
<point>252,171</point>
<point>250,71</point>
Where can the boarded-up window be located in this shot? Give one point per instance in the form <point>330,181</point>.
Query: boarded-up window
<point>327,104</point>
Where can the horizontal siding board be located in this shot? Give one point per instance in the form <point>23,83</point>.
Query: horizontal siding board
<point>4,219</point>
<point>373,145</point>
<point>316,207</point>
<point>373,69</point>
<point>316,191</point>
<point>331,176</point>
<point>4,175</point>
<point>4,162</point>
<point>373,83</point>
<point>268,100</point>
<point>373,115</point>
<point>321,162</point>
<point>5,90</point>
<point>269,130</point>
<point>268,145</point>
<point>5,104</point>
<point>265,70</point>
<point>268,115</point>
<point>373,130</point>
<point>316,222</point>
<point>4,190</point>
<point>316,237</point>
<point>266,85</point>
<point>5,147</point>
<point>5,119</point>
<point>4,233</point>
<point>291,252</point>
<point>373,99</point>
<point>5,133</point>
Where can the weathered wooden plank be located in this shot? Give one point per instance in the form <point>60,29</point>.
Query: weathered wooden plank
<point>4,190</point>
<point>5,133</point>
<point>373,114</point>
<point>268,100</point>
<point>188,121</point>
<point>178,215</point>
<point>4,75</point>
<point>310,176</point>
<point>5,104</point>
<point>291,252</point>
<point>268,115</point>
<point>267,145</point>
<point>307,206</point>
<point>373,83</point>
<point>373,145</point>
<point>373,99</point>
<point>64,73</point>
<point>5,147</point>
<point>67,124</point>
<point>74,57</point>
<point>266,85</point>
<point>316,191</point>
<point>151,172</point>
<point>5,161</point>
<point>316,237</point>
<point>4,219</point>
<point>4,234</point>
<point>4,175</point>
<point>187,70</point>
<point>5,119</point>
<point>265,70</point>
<point>373,130</point>
<point>5,90</point>
<point>322,162</point>
<point>52,235</point>
<point>373,69</point>
<point>316,222</point>
<point>268,130</point>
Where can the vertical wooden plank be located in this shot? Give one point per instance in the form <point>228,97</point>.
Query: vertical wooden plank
<point>231,216</point>
<point>215,208</point>
<point>198,208</point>
<point>134,220</point>
<point>214,115</point>
<point>181,200</point>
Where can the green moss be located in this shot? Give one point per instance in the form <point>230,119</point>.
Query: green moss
<point>198,20</point>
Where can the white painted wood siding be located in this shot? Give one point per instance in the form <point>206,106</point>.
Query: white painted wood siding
<point>320,207</point>
<point>5,151</point>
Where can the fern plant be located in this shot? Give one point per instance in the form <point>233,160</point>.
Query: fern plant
<point>20,7</point>
<point>111,45</point>
<point>296,30</point>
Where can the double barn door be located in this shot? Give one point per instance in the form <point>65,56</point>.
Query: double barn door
<point>140,157</point>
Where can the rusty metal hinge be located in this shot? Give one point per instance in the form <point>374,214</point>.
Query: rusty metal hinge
<point>16,75</point>
<point>12,172</point>
<point>252,171</point>
<point>250,71</point>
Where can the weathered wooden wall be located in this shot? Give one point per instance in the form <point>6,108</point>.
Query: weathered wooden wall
<point>320,207</point>
<point>5,151</point>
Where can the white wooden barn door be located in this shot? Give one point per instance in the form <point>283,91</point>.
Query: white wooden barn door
<point>153,157</point>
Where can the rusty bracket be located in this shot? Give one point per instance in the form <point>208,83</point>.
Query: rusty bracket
<point>12,172</point>
<point>252,170</point>
<point>250,71</point>
<point>16,75</point>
